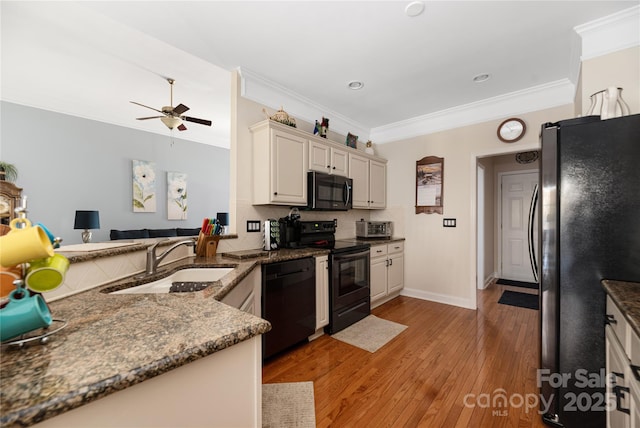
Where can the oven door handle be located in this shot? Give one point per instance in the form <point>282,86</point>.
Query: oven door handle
<point>348,256</point>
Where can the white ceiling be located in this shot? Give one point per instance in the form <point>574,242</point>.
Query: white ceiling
<point>90,59</point>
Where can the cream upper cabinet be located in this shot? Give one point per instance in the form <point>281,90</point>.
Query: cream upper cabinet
<point>359,173</point>
<point>282,156</point>
<point>377,184</point>
<point>369,182</point>
<point>327,159</point>
<point>280,164</point>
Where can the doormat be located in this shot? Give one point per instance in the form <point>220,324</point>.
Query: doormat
<point>522,300</point>
<point>523,284</point>
<point>288,405</point>
<point>370,333</point>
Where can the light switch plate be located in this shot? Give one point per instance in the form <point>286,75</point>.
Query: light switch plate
<point>449,222</point>
<point>253,225</point>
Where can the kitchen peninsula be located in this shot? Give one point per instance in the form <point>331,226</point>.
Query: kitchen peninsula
<point>143,359</point>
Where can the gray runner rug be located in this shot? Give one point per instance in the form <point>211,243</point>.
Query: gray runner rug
<point>370,333</point>
<point>288,405</point>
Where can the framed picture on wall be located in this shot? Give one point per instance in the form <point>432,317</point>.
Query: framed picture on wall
<point>176,196</point>
<point>429,185</point>
<point>144,186</point>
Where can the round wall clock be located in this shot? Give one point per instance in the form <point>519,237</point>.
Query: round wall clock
<point>511,130</point>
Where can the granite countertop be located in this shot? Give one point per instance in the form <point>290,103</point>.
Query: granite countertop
<point>626,295</point>
<point>379,241</point>
<point>112,342</point>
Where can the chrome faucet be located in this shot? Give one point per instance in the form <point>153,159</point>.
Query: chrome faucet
<point>153,261</point>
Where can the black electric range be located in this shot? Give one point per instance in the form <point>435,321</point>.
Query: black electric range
<point>349,267</point>
<point>342,245</point>
<point>321,234</point>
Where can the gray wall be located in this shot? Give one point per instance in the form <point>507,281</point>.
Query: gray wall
<point>67,163</point>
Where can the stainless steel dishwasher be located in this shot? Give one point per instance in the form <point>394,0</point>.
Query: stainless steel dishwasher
<point>288,303</point>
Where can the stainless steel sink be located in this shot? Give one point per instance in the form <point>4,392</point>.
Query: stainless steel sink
<point>192,275</point>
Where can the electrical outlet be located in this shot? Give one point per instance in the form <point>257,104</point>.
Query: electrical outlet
<point>335,222</point>
<point>253,225</point>
<point>449,222</point>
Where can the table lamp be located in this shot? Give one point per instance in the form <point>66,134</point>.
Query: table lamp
<point>87,220</point>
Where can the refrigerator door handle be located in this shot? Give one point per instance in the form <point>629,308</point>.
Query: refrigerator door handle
<point>532,251</point>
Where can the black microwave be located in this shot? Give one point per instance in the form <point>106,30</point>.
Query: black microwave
<point>327,192</point>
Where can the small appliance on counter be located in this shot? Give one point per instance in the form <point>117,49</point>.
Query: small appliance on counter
<point>290,229</point>
<point>271,239</point>
<point>374,229</point>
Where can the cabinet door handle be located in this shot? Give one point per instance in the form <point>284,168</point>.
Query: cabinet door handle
<point>620,375</point>
<point>636,371</point>
<point>618,391</point>
<point>390,262</point>
<point>328,166</point>
<point>610,320</point>
<point>387,263</point>
<point>275,193</point>
<point>334,167</point>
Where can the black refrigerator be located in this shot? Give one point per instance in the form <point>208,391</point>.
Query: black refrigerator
<point>590,224</point>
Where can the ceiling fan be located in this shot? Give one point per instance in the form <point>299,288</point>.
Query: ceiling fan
<point>172,116</point>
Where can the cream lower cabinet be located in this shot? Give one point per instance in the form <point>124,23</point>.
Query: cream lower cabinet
<point>634,378</point>
<point>618,383</point>
<point>387,272</point>
<point>623,370</point>
<point>634,421</point>
<point>246,296</point>
<point>223,390</point>
<point>280,163</point>
<point>322,291</point>
<point>369,182</point>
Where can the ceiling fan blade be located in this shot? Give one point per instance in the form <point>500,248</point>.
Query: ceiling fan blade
<point>182,127</point>
<point>150,117</point>
<point>196,120</point>
<point>142,105</point>
<point>180,108</point>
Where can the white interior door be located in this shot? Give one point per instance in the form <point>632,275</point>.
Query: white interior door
<point>517,191</point>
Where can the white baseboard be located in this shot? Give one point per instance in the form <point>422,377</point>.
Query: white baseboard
<point>489,280</point>
<point>438,298</point>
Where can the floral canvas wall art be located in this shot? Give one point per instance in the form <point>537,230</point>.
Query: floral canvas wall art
<point>176,196</point>
<point>144,187</point>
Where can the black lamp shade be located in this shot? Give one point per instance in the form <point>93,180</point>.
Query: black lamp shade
<point>87,220</point>
<point>223,218</point>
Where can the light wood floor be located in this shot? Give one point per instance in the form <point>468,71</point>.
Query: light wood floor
<point>421,378</point>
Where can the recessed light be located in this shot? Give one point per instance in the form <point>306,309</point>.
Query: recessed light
<point>481,78</point>
<point>355,85</point>
<point>414,8</point>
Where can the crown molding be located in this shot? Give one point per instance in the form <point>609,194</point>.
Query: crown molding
<point>610,33</point>
<point>553,94</point>
<point>266,92</point>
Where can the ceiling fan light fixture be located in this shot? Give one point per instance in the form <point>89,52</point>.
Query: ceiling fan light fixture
<point>171,122</point>
<point>481,77</point>
<point>355,85</point>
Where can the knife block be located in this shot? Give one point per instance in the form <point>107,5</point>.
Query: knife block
<point>207,246</point>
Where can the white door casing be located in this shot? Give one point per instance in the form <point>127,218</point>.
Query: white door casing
<point>516,192</point>
<point>480,228</point>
